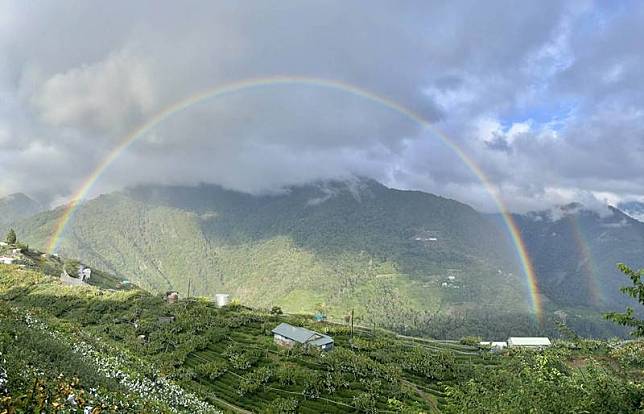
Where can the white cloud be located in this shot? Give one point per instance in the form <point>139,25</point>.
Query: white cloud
<point>104,96</point>
<point>545,103</point>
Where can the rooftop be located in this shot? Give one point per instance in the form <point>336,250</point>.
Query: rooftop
<point>301,335</point>
<point>528,341</point>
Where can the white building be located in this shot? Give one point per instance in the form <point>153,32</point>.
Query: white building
<point>528,342</point>
<point>86,273</point>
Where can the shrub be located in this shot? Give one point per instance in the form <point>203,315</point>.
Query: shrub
<point>282,406</point>
<point>212,370</point>
<point>365,403</point>
<point>276,310</point>
<point>630,355</point>
<point>253,381</point>
<point>471,340</point>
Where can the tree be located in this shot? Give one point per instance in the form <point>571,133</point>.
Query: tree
<point>637,292</point>
<point>276,310</point>
<point>11,237</point>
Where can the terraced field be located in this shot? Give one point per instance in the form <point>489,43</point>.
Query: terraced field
<point>134,351</point>
<point>228,359</point>
<point>424,393</point>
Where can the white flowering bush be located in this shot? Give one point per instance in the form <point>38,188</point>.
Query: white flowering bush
<point>156,393</point>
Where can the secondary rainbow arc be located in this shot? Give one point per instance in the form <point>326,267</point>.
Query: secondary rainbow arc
<point>233,87</point>
<point>587,263</point>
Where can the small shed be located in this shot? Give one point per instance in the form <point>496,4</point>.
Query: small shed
<point>528,342</point>
<point>288,335</point>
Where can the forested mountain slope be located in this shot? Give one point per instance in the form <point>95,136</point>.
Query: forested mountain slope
<point>575,251</point>
<point>405,260</point>
<point>400,258</point>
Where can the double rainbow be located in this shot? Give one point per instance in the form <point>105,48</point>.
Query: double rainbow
<point>234,87</point>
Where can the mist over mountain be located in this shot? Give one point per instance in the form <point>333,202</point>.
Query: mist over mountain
<point>635,209</point>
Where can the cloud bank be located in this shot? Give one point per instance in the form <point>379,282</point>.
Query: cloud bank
<point>545,97</point>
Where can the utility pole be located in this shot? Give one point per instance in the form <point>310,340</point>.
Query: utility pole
<point>189,282</point>
<point>352,309</point>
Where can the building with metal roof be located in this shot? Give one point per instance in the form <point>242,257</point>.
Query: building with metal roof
<point>288,335</point>
<point>528,342</point>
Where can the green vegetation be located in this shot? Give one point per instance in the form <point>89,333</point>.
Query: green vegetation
<point>575,253</point>
<point>553,381</point>
<point>11,237</point>
<point>117,351</point>
<point>636,291</point>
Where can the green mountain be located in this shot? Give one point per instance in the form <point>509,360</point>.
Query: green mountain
<point>575,251</point>
<point>15,207</point>
<point>69,349</point>
<point>402,259</point>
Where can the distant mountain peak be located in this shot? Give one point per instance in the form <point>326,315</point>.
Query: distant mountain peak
<point>16,206</point>
<point>15,197</point>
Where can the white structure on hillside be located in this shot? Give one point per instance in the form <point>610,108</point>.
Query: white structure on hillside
<point>7,260</point>
<point>222,299</point>
<point>528,342</point>
<point>84,273</point>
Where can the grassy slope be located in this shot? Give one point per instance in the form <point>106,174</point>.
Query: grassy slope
<point>57,340</point>
<point>111,321</point>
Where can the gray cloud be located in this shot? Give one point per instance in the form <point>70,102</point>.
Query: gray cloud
<point>545,97</point>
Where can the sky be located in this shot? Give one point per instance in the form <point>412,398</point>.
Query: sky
<point>545,98</point>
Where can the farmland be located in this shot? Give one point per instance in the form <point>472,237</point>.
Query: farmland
<point>126,350</point>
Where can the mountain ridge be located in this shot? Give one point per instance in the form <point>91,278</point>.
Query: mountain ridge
<point>404,259</point>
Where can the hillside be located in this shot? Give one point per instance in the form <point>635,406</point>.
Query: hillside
<point>65,348</point>
<point>15,207</point>
<point>405,260</point>
<point>575,251</point>
<point>25,258</point>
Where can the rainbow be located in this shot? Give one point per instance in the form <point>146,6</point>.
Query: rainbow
<point>588,264</point>
<point>234,87</point>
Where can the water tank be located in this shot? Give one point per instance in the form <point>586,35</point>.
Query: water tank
<point>222,299</point>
